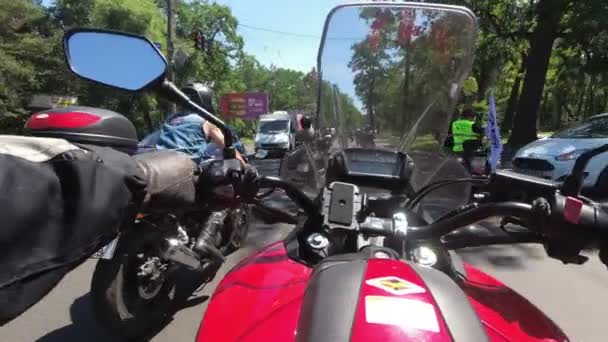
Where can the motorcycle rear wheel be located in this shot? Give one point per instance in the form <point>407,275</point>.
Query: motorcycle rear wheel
<point>122,302</point>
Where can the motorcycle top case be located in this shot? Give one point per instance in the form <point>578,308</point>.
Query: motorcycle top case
<point>355,297</point>
<point>86,125</point>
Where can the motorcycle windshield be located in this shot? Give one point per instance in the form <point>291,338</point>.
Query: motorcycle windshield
<point>390,76</point>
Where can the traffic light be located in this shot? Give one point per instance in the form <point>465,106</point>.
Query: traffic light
<point>199,41</point>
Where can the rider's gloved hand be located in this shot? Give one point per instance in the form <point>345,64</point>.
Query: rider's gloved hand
<point>249,182</point>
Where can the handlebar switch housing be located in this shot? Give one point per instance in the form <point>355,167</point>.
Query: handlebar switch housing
<point>217,181</point>
<point>574,224</point>
<point>507,186</point>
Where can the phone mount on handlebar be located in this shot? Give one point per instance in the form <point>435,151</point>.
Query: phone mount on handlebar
<point>342,206</point>
<point>345,208</point>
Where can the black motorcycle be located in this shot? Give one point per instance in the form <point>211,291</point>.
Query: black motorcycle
<point>134,282</point>
<point>475,158</point>
<point>365,138</point>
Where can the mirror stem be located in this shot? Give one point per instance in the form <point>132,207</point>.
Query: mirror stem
<point>574,182</point>
<point>173,93</point>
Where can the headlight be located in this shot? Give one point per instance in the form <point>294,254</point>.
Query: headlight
<point>424,256</point>
<point>571,155</point>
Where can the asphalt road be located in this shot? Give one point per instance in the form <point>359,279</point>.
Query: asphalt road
<point>575,297</point>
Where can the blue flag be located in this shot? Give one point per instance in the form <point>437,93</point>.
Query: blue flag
<point>493,134</point>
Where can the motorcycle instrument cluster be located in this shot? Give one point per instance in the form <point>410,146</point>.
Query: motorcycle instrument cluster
<point>383,169</point>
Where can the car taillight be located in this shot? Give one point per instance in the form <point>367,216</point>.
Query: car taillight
<point>40,121</point>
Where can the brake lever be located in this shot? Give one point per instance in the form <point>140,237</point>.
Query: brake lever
<point>265,194</point>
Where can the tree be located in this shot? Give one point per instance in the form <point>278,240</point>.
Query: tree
<point>29,59</point>
<point>549,14</point>
<point>223,45</point>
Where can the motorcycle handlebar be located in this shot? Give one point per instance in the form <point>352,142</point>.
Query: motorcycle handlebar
<point>295,194</point>
<point>386,227</point>
<point>447,225</point>
<point>548,218</point>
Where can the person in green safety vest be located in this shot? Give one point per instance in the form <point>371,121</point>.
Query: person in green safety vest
<point>465,129</point>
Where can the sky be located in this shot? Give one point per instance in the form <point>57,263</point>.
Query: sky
<point>283,33</point>
<point>299,25</point>
<point>303,18</point>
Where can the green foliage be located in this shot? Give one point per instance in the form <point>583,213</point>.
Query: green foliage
<point>135,16</point>
<point>470,86</point>
<point>575,85</point>
<point>405,68</point>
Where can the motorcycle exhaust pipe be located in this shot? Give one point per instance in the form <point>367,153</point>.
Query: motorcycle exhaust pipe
<point>177,252</point>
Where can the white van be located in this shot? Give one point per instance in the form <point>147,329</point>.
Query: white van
<point>276,133</point>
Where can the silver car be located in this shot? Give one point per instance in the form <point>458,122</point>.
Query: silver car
<point>553,157</point>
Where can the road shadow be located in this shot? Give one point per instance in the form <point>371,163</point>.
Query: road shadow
<point>84,326</point>
<point>502,256</point>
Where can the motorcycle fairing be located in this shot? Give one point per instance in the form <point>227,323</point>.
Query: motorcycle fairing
<point>342,300</point>
<point>270,297</point>
<point>259,300</point>
<point>263,299</point>
<point>506,315</point>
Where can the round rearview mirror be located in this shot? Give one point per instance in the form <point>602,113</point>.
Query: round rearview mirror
<point>115,59</point>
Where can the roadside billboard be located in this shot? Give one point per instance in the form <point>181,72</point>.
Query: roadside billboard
<point>248,106</point>
<point>44,102</point>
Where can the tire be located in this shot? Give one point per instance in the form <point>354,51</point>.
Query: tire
<point>117,301</point>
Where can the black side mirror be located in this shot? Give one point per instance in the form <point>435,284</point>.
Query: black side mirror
<point>129,62</point>
<point>118,60</point>
<point>574,182</point>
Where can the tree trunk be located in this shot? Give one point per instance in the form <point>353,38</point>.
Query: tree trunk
<point>581,98</point>
<point>557,110</point>
<point>512,104</point>
<point>370,100</point>
<point>590,98</point>
<point>543,110</point>
<point>148,121</point>
<point>549,13</point>
<point>482,85</point>
<point>406,116</point>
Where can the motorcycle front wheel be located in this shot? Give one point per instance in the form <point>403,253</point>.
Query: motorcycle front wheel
<point>132,293</point>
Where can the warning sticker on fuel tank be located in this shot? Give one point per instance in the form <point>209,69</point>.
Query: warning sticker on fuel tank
<point>395,285</point>
<point>402,312</point>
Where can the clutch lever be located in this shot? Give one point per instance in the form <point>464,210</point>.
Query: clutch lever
<point>511,220</point>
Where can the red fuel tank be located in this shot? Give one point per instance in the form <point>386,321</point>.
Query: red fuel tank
<point>269,297</point>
